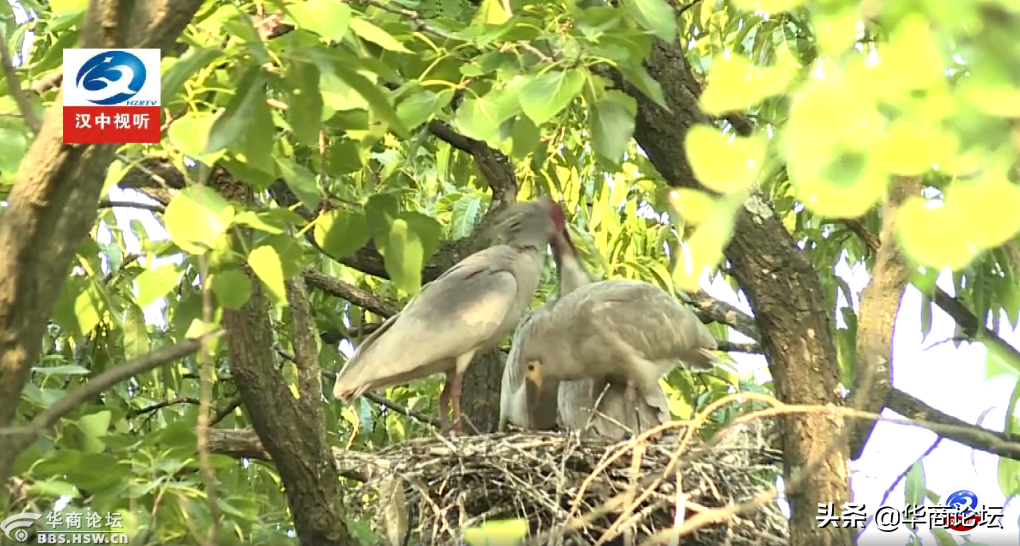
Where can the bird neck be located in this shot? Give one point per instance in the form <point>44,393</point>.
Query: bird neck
<point>572,273</point>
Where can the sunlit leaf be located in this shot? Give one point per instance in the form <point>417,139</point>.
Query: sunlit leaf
<point>368,31</point>
<point>197,218</point>
<point>266,263</point>
<point>724,163</point>
<point>326,18</point>
<point>497,533</point>
<point>342,232</point>
<point>768,6</point>
<point>154,283</point>
<point>545,96</point>
<point>612,125</point>
<point>654,15</point>
<point>734,84</point>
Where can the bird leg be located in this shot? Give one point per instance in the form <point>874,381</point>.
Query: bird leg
<point>444,402</point>
<point>455,393</point>
<point>630,403</point>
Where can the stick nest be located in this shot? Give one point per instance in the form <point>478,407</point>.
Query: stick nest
<point>427,491</point>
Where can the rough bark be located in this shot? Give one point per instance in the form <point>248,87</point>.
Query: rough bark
<point>292,429</point>
<point>876,320</point>
<point>783,289</point>
<point>49,206</point>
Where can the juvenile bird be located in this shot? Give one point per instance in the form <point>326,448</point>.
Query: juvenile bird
<point>467,310</point>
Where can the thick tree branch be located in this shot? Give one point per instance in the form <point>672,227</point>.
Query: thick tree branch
<point>978,437</point>
<point>710,310</point>
<point>783,289</point>
<point>291,429</point>
<point>876,320</point>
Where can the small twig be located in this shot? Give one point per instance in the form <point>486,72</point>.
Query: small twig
<point>205,407</point>
<point>14,85</point>
<point>108,204</point>
<point>160,405</point>
<point>900,478</point>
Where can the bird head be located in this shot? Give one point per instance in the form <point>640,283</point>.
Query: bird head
<point>534,221</point>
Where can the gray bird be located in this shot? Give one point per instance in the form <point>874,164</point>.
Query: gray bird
<point>621,332</point>
<point>465,311</point>
<point>522,402</point>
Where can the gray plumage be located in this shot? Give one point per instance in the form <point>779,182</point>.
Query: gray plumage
<point>467,310</point>
<point>524,400</point>
<point>622,331</point>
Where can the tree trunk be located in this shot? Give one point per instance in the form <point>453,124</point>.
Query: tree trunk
<point>783,289</point>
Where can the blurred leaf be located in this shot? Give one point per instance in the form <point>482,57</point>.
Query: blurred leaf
<point>547,95</point>
<point>136,336</point>
<point>734,84</point>
<point>404,256</point>
<point>305,109</point>
<point>232,288</point>
<point>915,484</point>
<point>768,6</point>
<point>497,533</point>
<point>194,59</point>
<point>156,282</point>
<point>612,124</point>
<point>323,17</point>
<point>490,12</point>
<point>265,262</point>
<point>1009,469</point>
<point>724,163</point>
<point>198,218</point>
<point>341,232</point>
<point>367,31</point>
<point>654,15</point>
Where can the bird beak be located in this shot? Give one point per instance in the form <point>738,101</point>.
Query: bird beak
<point>533,374</point>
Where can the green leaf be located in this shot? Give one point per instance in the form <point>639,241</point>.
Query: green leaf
<point>465,215</point>
<point>545,96</point>
<point>198,218</point>
<point>654,15</point>
<point>52,488</point>
<point>943,538</point>
<point>490,12</point>
<point>612,125</point>
<point>344,157</point>
<point>232,288</point>
<point>376,35</point>
<point>1009,469</point>
<point>305,110</point>
<point>404,256</point>
<point>341,233</point>
<point>94,426</point>
<point>155,283</point>
<point>524,137</point>
<point>326,18</point>
<point>724,163</point>
<point>768,6</point>
<point>497,533</point>
<point>420,107</point>
<point>16,141</point>
<point>265,262</point>
<point>136,336</point>
<point>636,74</point>
<point>480,117</point>
<point>172,81</point>
<point>301,181</point>
<point>190,133</point>
<point>915,485</point>
<point>235,119</point>
<point>380,211</point>
<point>734,84</point>
<point>428,229</point>
<point>379,102</point>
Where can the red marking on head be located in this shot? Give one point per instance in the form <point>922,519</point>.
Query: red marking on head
<point>558,217</point>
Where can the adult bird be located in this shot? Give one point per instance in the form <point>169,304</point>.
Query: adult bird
<point>620,331</point>
<point>524,400</point>
<point>465,311</point>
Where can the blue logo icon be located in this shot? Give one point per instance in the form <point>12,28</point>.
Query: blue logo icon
<point>111,77</point>
<point>963,501</point>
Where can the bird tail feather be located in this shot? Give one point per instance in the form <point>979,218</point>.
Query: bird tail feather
<point>702,359</point>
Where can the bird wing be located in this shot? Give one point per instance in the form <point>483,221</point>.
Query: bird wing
<point>458,312</point>
<point>644,317</point>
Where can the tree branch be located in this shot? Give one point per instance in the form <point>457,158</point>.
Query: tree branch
<point>977,437</point>
<point>108,204</point>
<point>98,384</point>
<point>14,85</point>
<point>876,320</point>
<point>353,294</point>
